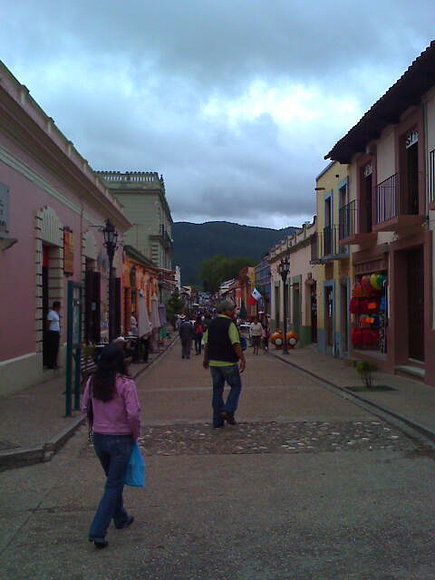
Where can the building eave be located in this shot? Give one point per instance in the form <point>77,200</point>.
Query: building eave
<point>408,91</point>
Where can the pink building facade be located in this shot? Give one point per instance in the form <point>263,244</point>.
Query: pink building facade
<point>52,208</point>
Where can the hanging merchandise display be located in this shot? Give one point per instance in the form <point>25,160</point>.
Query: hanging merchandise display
<point>368,309</point>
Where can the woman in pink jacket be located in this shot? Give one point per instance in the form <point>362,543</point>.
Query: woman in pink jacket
<point>111,396</point>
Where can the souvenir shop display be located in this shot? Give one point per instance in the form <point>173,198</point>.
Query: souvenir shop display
<point>368,308</point>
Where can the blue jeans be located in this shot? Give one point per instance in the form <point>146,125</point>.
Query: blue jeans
<point>219,376</point>
<point>114,452</point>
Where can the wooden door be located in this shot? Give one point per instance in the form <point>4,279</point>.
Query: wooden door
<point>416,303</point>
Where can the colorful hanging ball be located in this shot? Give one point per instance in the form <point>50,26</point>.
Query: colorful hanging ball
<point>374,281</point>
<point>380,281</point>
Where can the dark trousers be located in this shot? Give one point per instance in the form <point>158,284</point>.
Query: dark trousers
<point>52,344</point>
<point>186,347</point>
<point>198,340</point>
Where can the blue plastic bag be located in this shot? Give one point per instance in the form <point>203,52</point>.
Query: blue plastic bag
<point>135,475</point>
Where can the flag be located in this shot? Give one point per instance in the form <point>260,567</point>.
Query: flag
<point>256,294</point>
<point>252,301</point>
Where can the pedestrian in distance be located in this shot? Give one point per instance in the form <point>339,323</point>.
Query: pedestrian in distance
<point>266,336</point>
<point>53,335</point>
<point>111,404</point>
<point>224,356</point>
<point>199,333</point>
<point>256,334</point>
<point>186,334</point>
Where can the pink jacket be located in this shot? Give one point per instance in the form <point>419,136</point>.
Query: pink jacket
<point>120,415</point>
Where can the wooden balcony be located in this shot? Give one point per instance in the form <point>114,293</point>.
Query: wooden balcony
<point>396,205</point>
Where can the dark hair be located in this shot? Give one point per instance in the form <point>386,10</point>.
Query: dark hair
<point>56,303</point>
<point>110,362</point>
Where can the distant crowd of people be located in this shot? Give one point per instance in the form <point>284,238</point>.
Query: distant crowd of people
<point>192,332</point>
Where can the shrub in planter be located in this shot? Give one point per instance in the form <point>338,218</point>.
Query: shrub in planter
<point>365,369</point>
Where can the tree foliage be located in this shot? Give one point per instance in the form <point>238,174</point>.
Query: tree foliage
<point>219,268</point>
<point>175,305</point>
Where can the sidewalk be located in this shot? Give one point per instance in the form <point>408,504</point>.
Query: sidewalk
<point>33,425</point>
<point>409,401</point>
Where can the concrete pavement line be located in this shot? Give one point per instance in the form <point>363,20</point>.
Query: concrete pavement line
<point>59,440</point>
<point>12,459</point>
<point>409,426</point>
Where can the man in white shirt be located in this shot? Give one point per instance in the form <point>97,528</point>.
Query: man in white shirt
<point>256,334</point>
<point>53,335</point>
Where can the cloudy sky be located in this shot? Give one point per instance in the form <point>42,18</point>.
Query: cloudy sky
<point>235,102</point>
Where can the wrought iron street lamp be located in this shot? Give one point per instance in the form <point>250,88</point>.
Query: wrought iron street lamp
<point>284,269</point>
<point>111,243</point>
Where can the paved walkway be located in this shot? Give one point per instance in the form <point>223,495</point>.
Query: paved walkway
<point>33,425</point>
<point>411,401</point>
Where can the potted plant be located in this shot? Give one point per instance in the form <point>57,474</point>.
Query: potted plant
<point>365,369</point>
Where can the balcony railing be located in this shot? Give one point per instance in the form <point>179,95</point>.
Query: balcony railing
<point>347,221</point>
<point>325,246</point>
<point>397,197</point>
<point>387,199</point>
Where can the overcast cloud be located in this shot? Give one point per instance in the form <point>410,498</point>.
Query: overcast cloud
<point>235,102</point>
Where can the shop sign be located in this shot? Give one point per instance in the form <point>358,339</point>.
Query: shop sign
<point>368,170</point>
<point>4,210</point>
<point>68,253</point>
<point>411,139</point>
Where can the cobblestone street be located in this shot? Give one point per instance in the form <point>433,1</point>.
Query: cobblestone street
<point>305,437</point>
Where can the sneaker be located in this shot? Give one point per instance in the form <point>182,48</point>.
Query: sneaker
<point>228,417</point>
<point>127,523</point>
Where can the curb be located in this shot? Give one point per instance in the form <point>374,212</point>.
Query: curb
<point>396,418</point>
<point>31,456</point>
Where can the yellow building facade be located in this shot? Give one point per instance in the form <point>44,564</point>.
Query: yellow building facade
<point>332,260</point>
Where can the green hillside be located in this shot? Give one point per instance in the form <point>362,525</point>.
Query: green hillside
<point>196,242</point>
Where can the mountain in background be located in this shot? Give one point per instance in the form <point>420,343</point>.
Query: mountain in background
<point>194,243</point>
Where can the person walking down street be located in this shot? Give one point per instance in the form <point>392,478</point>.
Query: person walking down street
<point>224,356</point>
<point>266,336</point>
<point>110,400</point>
<point>256,334</point>
<point>53,335</point>
<point>199,333</point>
<point>186,335</point>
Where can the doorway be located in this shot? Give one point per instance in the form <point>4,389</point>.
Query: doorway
<point>344,317</point>
<point>313,309</point>
<point>92,305</point>
<point>329,318</point>
<point>415,282</point>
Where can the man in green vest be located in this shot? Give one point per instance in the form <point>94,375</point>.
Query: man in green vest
<point>224,355</point>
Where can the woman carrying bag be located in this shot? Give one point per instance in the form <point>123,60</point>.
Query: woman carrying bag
<point>111,404</point>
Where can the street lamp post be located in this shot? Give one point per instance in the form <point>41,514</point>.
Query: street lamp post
<point>111,243</point>
<point>283,269</point>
